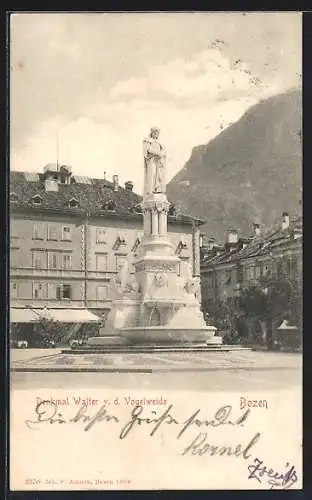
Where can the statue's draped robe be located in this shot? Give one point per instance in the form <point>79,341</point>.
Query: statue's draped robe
<point>154,166</point>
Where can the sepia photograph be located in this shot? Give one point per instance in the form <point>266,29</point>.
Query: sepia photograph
<point>155,205</point>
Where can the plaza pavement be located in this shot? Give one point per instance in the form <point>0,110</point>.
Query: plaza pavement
<point>27,354</point>
<point>212,371</point>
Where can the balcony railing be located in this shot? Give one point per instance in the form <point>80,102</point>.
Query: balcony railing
<point>61,304</point>
<point>34,272</point>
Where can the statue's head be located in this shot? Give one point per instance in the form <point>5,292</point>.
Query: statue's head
<point>154,132</point>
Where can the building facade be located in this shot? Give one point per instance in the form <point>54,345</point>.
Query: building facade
<point>241,263</point>
<point>69,236</point>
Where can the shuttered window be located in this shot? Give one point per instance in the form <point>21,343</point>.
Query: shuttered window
<point>38,291</point>
<point>52,291</point>
<point>52,232</point>
<point>66,233</point>
<point>38,259</point>
<point>53,260</point>
<point>38,231</point>
<point>66,261</point>
<point>66,292</point>
<point>59,291</point>
<point>101,262</point>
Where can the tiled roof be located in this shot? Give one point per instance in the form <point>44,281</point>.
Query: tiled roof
<point>91,195</point>
<point>263,244</point>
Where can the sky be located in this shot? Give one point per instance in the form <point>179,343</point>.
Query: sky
<point>86,87</point>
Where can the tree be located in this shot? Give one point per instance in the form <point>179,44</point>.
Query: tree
<point>227,319</point>
<point>46,330</point>
<point>271,301</point>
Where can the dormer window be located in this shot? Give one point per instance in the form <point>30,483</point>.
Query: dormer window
<point>120,241</point>
<point>136,245</point>
<point>73,203</point>
<point>181,246</point>
<point>13,198</point>
<point>37,200</point>
<point>172,210</point>
<point>109,205</point>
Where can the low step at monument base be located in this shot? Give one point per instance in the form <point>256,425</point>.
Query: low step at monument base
<point>107,340</point>
<point>159,335</point>
<point>148,348</point>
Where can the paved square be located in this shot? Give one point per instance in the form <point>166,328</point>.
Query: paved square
<point>210,371</point>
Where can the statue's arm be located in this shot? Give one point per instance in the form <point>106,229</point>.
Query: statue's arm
<point>145,148</point>
<point>149,150</point>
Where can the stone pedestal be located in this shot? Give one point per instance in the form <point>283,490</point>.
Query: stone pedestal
<point>159,303</point>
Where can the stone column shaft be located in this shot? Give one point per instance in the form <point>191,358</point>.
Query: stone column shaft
<point>162,218</point>
<point>154,222</point>
<point>147,222</point>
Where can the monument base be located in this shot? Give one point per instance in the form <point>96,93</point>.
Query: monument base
<point>154,339</point>
<point>107,341</point>
<point>162,335</point>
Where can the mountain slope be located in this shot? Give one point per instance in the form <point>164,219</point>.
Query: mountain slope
<point>250,172</point>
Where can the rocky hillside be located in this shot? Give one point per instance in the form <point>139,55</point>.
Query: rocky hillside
<point>250,172</point>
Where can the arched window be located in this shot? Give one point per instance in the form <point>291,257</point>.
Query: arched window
<point>154,317</point>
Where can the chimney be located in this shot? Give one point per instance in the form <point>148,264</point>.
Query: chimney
<point>51,185</point>
<point>232,236</point>
<point>285,220</point>
<point>129,186</point>
<point>115,182</point>
<point>256,228</point>
<point>104,177</point>
<point>211,243</point>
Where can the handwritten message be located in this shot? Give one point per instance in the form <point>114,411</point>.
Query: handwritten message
<point>47,412</point>
<point>105,439</point>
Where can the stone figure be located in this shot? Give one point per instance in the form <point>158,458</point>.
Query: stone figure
<point>161,280</point>
<point>132,286</point>
<point>190,286</point>
<point>154,164</point>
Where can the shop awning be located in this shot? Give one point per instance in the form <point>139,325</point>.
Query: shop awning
<point>73,316</point>
<point>25,315</point>
<point>285,326</point>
